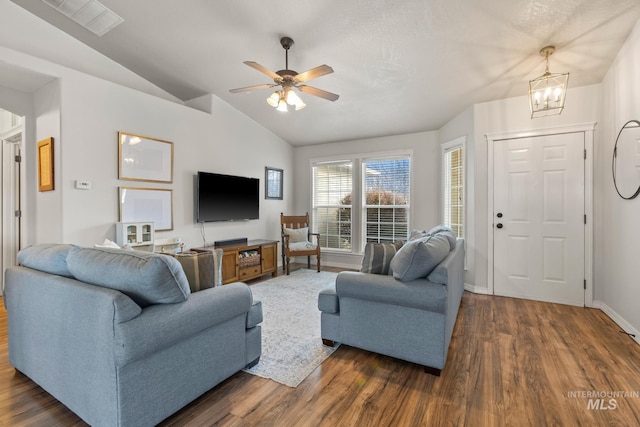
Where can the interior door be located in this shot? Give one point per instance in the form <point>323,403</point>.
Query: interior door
<point>538,229</point>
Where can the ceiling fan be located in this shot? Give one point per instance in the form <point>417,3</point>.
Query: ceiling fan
<point>289,80</point>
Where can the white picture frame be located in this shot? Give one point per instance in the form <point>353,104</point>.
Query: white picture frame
<point>141,158</point>
<point>147,205</point>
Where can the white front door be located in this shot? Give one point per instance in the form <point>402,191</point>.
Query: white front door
<point>538,217</point>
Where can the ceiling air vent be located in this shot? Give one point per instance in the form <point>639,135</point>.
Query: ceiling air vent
<point>92,15</point>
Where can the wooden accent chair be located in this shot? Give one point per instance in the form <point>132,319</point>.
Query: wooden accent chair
<point>297,241</point>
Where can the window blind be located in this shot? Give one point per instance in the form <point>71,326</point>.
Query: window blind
<point>454,189</point>
<point>332,207</point>
<point>386,199</point>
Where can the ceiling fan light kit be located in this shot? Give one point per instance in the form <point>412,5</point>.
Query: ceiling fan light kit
<point>547,92</point>
<point>289,80</point>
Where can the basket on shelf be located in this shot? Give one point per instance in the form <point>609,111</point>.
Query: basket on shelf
<point>248,259</point>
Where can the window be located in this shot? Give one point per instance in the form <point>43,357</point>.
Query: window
<point>386,199</point>
<point>453,182</point>
<point>351,208</point>
<point>332,189</point>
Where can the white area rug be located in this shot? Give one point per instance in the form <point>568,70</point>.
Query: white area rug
<point>291,344</point>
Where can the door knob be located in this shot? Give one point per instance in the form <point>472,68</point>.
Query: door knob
<point>499,225</point>
<point>499,215</point>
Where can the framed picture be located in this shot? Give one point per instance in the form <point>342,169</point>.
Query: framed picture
<point>141,158</point>
<point>273,183</point>
<point>147,204</point>
<point>45,165</point>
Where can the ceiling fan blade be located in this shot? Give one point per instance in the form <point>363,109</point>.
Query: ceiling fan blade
<point>263,69</point>
<point>318,92</point>
<point>314,73</point>
<point>252,88</point>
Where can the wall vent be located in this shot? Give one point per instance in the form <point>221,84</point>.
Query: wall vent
<point>91,14</point>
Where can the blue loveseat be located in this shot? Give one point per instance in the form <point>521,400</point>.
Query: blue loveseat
<point>408,308</point>
<point>117,336</point>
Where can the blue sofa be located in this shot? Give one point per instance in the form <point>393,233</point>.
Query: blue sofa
<point>117,336</point>
<point>409,313</point>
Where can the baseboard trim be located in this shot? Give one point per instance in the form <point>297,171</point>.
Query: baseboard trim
<point>476,289</point>
<point>619,320</point>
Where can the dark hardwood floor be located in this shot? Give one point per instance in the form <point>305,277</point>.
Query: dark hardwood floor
<point>511,363</point>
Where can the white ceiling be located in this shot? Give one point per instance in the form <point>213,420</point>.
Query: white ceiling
<point>400,66</point>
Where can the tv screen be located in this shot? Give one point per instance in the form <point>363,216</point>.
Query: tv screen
<point>226,197</point>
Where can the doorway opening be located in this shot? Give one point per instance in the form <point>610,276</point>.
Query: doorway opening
<point>12,129</point>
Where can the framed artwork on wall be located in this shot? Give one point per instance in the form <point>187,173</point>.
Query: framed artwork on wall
<point>141,158</point>
<point>147,204</point>
<point>45,165</point>
<point>273,183</point>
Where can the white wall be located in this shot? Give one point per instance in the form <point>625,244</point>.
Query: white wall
<point>48,204</point>
<point>617,270</point>
<point>225,141</point>
<point>84,114</point>
<point>425,180</point>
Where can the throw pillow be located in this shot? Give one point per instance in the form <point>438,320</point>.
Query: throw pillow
<point>48,257</point>
<point>445,231</point>
<point>302,246</point>
<point>145,277</point>
<point>203,269</point>
<point>297,234</point>
<point>417,234</point>
<point>378,256</point>
<point>417,258</point>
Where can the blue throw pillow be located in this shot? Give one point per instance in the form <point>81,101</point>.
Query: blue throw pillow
<point>417,258</point>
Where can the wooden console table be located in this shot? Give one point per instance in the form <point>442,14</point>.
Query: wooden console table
<point>245,261</point>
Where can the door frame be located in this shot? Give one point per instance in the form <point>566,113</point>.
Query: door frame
<point>11,179</point>
<point>589,130</point>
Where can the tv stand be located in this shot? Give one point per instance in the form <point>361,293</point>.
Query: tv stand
<point>246,261</point>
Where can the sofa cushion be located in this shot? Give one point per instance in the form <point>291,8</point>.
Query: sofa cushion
<point>47,257</point>
<point>377,257</point>
<point>297,234</point>
<point>147,278</point>
<point>203,269</point>
<point>417,258</point>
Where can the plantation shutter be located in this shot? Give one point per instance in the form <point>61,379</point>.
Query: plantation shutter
<point>454,189</point>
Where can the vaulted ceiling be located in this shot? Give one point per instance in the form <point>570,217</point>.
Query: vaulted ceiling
<point>399,66</point>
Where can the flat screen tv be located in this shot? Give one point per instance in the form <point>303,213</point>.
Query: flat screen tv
<point>226,197</point>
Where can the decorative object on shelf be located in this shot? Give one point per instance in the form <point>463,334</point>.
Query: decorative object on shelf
<point>135,235</point>
<point>625,162</point>
<point>45,165</point>
<point>141,158</point>
<point>273,183</point>
<point>171,246</point>
<point>288,80</point>
<point>147,204</point>
<point>547,92</point>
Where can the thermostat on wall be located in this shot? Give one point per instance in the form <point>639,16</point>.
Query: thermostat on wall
<point>83,185</point>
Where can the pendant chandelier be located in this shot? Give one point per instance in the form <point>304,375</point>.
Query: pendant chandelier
<point>547,92</point>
